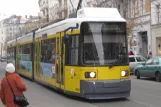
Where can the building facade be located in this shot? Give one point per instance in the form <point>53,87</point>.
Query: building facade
<point>53,9</point>
<point>57,9</point>
<point>44,9</point>
<point>156,27</point>
<point>61,9</point>
<point>29,24</point>
<point>13,27</point>
<point>139,26</point>
<point>3,33</point>
<point>119,4</point>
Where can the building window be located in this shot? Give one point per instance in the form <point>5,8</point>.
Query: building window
<point>141,7</point>
<point>129,9</point>
<point>10,54</point>
<point>124,14</point>
<point>158,11</point>
<point>147,6</point>
<point>133,8</point>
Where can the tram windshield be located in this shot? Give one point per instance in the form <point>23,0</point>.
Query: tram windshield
<point>104,43</point>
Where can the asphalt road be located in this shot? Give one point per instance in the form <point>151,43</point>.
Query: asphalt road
<point>145,93</point>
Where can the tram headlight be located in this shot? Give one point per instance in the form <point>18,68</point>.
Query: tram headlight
<point>90,74</point>
<point>124,73</point>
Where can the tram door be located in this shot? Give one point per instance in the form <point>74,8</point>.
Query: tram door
<point>60,60</point>
<point>37,57</point>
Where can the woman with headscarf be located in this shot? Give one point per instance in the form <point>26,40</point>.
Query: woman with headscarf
<point>15,81</point>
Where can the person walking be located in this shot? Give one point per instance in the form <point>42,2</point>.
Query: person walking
<point>130,53</point>
<point>11,84</point>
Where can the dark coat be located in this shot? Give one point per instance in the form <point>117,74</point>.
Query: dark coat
<point>17,85</point>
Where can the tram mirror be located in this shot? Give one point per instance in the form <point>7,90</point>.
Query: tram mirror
<point>77,25</point>
<point>66,39</point>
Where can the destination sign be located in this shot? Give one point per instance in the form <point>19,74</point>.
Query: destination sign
<point>105,27</point>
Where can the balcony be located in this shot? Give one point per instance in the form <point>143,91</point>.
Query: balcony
<point>44,6</point>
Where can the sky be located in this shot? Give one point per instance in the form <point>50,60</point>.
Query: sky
<point>19,7</point>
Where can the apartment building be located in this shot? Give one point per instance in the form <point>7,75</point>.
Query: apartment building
<point>156,27</point>
<point>139,26</point>
<point>44,7</point>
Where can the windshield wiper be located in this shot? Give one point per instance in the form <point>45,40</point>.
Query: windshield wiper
<point>112,64</point>
<point>117,60</point>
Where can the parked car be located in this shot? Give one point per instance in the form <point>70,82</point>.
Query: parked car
<point>135,60</point>
<point>151,68</point>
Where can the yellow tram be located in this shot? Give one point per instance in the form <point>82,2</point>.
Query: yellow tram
<point>85,56</point>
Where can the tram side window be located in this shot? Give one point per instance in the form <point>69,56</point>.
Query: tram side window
<point>9,53</point>
<point>72,51</point>
<point>13,54</point>
<point>25,52</point>
<point>20,52</point>
<point>48,51</point>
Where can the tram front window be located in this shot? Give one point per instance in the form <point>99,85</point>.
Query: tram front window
<point>104,43</point>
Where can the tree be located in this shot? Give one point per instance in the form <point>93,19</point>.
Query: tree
<point>58,10</point>
<point>53,12</point>
<point>102,3</point>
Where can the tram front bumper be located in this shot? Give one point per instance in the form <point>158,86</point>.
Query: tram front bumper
<point>110,89</point>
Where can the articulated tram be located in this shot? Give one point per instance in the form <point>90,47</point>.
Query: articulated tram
<point>85,56</point>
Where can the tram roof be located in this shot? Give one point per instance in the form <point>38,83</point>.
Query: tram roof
<point>92,12</point>
<point>89,14</point>
<point>11,43</point>
<point>25,38</point>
